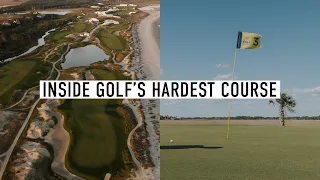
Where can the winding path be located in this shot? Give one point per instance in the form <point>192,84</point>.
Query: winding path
<point>137,115</point>
<point>10,150</point>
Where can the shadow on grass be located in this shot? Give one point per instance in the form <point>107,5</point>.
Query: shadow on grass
<point>189,147</point>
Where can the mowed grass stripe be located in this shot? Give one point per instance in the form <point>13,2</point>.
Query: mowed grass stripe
<point>251,153</point>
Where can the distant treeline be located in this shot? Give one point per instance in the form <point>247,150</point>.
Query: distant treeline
<point>239,118</point>
<point>47,4</point>
<point>19,37</point>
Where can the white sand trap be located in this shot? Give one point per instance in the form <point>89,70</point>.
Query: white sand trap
<point>59,138</point>
<point>76,76</point>
<point>146,175</point>
<point>107,177</point>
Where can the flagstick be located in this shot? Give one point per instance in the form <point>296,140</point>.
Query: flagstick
<point>234,66</point>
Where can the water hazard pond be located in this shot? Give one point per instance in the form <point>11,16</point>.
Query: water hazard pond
<point>83,56</point>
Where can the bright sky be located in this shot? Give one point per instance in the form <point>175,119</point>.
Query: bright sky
<point>198,40</point>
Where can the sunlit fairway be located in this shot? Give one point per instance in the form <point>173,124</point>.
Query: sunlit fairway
<point>253,152</point>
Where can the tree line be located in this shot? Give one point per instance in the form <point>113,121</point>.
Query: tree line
<point>164,117</point>
<point>286,103</point>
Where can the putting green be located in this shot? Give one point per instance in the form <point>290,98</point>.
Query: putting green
<point>261,152</point>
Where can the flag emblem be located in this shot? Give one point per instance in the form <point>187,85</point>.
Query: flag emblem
<point>248,40</point>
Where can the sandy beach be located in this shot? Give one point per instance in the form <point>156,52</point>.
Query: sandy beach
<point>149,33</point>
<point>146,63</point>
<point>150,49</point>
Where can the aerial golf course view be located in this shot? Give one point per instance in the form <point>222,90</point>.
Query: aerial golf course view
<point>73,139</point>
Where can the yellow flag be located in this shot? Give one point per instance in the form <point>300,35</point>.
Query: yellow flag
<point>248,40</point>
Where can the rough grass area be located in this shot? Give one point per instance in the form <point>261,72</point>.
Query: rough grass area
<point>264,152</point>
<point>97,137</point>
<point>21,74</point>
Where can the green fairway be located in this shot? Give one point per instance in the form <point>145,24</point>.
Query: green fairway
<point>21,74</point>
<point>12,73</point>
<point>59,35</point>
<point>81,27</point>
<point>253,152</point>
<point>97,137</point>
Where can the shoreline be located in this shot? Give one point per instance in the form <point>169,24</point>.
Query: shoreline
<point>147,56</point>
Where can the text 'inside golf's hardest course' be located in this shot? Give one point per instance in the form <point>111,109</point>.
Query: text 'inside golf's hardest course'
<point>160,89</point>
